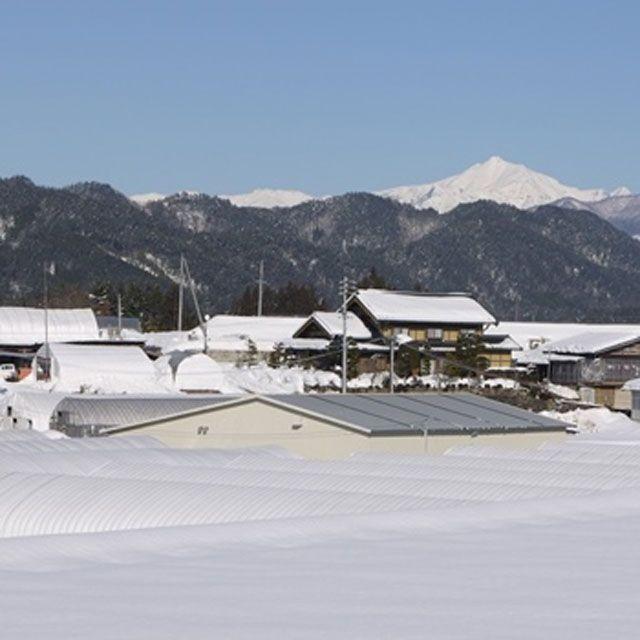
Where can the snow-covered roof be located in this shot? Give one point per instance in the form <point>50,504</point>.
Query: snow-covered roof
<point>530,334</point>
<point>539,357</point>
<point>632,385</point>
<point>591,343</point>
<point>331,322</point>
<point>26,325</point>
<point>403,306</point>
<point>102,368</point>
<point>226,332</point>
<point>503,343</point>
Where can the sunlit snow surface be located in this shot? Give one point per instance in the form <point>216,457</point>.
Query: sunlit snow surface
<point>143,541</point>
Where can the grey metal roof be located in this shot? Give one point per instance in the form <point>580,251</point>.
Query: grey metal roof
<point>408,413</point>
<point>118,410</point>
<point>376,414</point>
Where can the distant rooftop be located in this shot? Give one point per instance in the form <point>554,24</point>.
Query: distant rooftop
<point>591,342</point>
<point>411,306</point>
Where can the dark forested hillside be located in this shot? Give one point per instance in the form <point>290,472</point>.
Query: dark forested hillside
<point>550,264</point>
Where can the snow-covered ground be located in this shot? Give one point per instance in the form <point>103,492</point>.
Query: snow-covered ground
<point>125,538</point>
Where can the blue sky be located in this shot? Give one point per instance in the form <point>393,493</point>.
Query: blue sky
<point>324,96</point>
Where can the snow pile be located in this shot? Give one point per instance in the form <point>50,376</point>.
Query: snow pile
<point>563,392</point>
<point>598,420</point>
<point>495,179</point>
<point>199,372</point>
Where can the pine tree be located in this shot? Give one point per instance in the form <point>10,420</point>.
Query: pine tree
<point>279,356</point>
<point>467,356</point>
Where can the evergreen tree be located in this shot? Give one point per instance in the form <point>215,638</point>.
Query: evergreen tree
<point>279,356</point>
<point>467,356</point>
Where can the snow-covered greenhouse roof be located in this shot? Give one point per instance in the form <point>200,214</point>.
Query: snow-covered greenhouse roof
<point>102,368</point>
<point>376,414</point>
<point>26,326</point>
<point>591,342</point>
<point>331,323</point>
<point>402,306</point>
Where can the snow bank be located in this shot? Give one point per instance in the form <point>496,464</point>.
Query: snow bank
<point>598,420</point>
<point>563,392</point>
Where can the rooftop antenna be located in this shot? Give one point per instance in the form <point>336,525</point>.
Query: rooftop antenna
<point>260,286</point>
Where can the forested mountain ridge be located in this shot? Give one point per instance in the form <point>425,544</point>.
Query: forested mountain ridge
<point>547,264</point>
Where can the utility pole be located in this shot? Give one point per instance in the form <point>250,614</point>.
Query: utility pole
<point>392,349</point>
<point>181,293</point>
<point>119,315</point>
<point>47,268</point>
<point>260,287</point>
<point>202,320</point>
<point>344,291</point>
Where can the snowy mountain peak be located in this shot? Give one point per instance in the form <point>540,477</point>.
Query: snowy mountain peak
<point>146,198</point>
<point>269,198</point>
<point>495,179</point>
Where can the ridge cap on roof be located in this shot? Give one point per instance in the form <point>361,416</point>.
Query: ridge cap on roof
<point>425,294</point>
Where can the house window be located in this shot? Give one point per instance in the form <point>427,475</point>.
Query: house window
<point>451,335</point>
<point>417,334</point>
<point>434,334</point>
<point>498,359</point>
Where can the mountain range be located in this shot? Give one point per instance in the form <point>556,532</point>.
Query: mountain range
<point>548,263</point>
<point>495,179</point>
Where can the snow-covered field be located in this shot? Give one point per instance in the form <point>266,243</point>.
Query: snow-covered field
<point>125,538</point>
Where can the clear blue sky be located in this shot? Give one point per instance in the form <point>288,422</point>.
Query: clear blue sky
<point>322,96</point>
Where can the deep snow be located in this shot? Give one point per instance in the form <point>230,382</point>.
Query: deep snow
<point>243,544</point>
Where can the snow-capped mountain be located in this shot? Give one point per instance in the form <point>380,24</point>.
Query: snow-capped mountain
<point>497,180</point>
<point>622,211</point>
<point>260,198</point>
<point>269,198</point>
<point>146,198</point>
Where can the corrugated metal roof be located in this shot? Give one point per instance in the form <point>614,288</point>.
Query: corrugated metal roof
<point>380,414</point>
<point>375,414</point>
<point>118,410</point>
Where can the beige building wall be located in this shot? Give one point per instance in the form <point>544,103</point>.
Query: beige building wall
<point>258,423</point>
